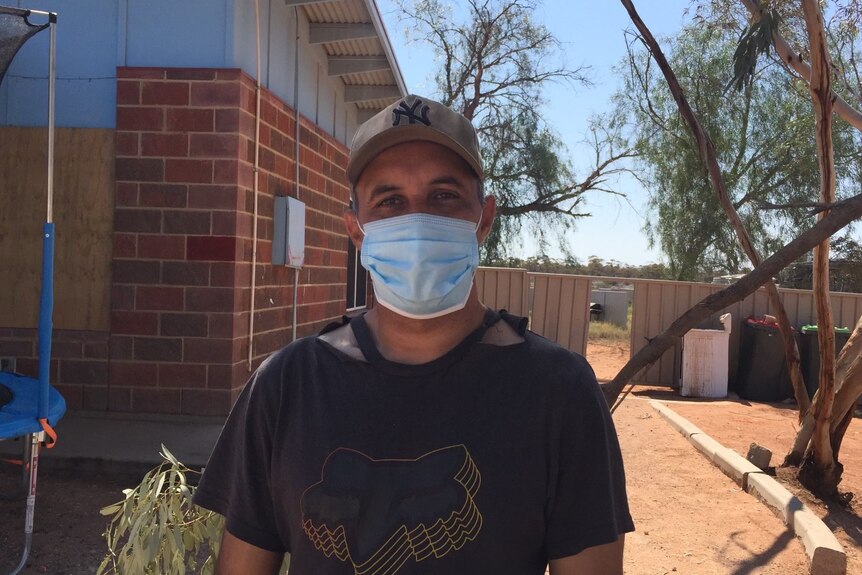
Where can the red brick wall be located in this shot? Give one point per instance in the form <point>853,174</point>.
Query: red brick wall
<point>79,363</point>
<point>183,237</point>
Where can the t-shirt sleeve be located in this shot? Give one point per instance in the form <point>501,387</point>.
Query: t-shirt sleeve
<point>236,480</point>
<point>588,504</point>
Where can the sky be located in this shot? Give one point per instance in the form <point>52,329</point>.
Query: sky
<point>592,35</point>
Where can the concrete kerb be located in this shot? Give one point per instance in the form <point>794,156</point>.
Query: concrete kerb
<point>825,554</point>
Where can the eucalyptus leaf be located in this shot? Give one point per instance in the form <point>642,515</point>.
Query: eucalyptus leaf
<point>157,529</point>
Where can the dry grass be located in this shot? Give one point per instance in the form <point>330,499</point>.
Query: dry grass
<point>604,331</point>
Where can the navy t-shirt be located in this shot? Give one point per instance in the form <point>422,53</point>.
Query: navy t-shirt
<point>491,459</point>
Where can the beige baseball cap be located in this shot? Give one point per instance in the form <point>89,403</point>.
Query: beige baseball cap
<point>409,119</point>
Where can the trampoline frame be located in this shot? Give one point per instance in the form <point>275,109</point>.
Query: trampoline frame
<point>50,403</point>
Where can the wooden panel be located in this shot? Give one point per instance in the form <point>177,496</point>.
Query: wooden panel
<point>637,341</point>
<point>540,297</point>
<point>552,309</point>
<point>560,309</point>
<point>566,306</point>
<point>581,317</point>
<point>846,310</point>
<point>667,362</point>
<point>83,213</point>
<point>503,288</point>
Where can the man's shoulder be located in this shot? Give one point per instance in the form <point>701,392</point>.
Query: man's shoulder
<point>541,354</point>
<point>298,354</point>
<point>547,350</point>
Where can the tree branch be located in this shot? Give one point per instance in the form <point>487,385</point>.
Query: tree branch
<point>842,108</point>
<point>815,207</point>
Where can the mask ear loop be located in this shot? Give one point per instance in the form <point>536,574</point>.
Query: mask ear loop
<point>479,223</point>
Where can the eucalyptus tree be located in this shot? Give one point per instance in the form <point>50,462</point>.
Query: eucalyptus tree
<point>762,134</point>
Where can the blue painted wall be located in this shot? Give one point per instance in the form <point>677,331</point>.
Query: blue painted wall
<point>94,37</point>
<point>86,56</point>
<point>189,33</point>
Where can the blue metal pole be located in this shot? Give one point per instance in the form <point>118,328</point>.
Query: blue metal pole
<point>46,310</point>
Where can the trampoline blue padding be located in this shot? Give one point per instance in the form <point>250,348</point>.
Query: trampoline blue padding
<point>19,417</point>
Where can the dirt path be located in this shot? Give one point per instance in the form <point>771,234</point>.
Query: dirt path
<point>67,533</point>
<point>736,423</point>
<point>607,357</point>
<point>690,518</point>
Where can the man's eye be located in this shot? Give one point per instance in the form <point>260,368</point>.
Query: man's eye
<point>390,201</point>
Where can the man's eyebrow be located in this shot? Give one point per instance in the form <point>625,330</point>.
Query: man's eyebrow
<point>382,189</point>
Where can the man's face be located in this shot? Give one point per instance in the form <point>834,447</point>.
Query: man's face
<point>418,177</point>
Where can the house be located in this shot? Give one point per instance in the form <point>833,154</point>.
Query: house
<point>158,201</point>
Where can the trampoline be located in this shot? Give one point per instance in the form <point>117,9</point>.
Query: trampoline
<point>30,406</point>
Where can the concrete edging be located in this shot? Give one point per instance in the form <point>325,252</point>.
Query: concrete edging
<point>825,554</point>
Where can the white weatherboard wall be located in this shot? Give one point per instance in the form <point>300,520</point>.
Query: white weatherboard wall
<point>94,37</point>
<point>321,98</point>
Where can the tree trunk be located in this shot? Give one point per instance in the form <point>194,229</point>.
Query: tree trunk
<point>819,471</point>
<point>708,156</point>
<point>839,217</point>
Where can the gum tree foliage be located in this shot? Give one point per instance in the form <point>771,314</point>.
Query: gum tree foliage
<point>762,132</point>
<point>157,530</point>
<point>494,60</point>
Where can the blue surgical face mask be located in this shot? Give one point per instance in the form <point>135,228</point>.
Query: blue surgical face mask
<point>421,266</point>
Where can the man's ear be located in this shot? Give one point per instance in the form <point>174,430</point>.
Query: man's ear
<point>353,231</point>
<point>489,212</point>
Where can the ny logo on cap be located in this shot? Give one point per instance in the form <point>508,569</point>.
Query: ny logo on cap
<point>409,113</point>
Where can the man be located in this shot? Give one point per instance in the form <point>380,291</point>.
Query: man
<point>429,435</point>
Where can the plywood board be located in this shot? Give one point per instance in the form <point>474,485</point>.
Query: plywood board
<point>83,215</point>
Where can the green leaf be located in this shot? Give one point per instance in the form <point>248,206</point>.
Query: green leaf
<point>103,565</point>
<point>111,509</point>
<point>756,40</point>
<point>160,483</point>
<point>169,456</point>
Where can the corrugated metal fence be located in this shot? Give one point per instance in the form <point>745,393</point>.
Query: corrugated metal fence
<point>558,308</point>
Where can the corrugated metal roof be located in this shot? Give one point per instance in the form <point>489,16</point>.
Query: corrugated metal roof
<point>365,47</point>
<point>377,104</point>
<point>381,78</point>
<point>340,11</point>
<point>359,12</point>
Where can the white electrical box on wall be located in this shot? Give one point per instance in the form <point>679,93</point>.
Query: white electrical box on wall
<point>288,235</point>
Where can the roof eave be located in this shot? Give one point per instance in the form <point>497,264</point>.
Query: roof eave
<point>383,35</point>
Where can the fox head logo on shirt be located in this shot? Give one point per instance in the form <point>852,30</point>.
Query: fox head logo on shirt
<point>380,513</point>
